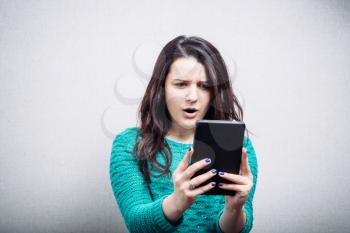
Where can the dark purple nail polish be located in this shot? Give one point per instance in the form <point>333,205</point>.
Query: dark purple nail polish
<point>221,173</point>
<point>213,171</point>
<point>207,160</point>
<point>213,183</point>
<point>220,184</point>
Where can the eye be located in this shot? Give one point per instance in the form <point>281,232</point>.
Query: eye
<point>180,84</point>
<point>204,86</point>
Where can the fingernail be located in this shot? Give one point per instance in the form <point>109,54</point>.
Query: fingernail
<point>221,173</point>
<point>220,184</point>
<point>213,171</point>
<point>207,160</point>
<point>189,149</point>
<point>213,183</point>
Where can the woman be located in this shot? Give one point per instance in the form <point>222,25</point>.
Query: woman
<point>150,174</point>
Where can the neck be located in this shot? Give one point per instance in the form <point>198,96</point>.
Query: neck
<point>181,134</point>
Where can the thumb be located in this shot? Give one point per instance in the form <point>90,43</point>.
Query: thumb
<point>185,160</point>
<point>245,169</point>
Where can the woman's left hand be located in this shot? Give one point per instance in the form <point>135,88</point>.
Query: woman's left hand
<point>242,185</point>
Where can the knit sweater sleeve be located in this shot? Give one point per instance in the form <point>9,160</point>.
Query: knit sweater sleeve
<point>140,212</point>
<point>248,206</point>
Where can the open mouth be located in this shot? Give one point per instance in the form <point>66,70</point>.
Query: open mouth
<point>190,112</point>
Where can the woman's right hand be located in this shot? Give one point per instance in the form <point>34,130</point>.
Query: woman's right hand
<point>183,195</point>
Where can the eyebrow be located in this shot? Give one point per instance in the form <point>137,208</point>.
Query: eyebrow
<point>184,80</point>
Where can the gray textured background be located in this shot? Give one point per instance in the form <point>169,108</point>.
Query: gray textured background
<point>72,74</point>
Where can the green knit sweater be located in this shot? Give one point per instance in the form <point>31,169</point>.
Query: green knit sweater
<point>141,213</point>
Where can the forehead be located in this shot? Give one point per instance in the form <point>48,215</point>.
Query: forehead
<point>187,68</point>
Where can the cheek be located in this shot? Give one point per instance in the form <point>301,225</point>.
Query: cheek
<point>174,98</point>
<point>173,106</point>
<point>206,99</point>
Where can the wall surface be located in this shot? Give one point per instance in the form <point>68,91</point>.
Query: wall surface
<point>72,74</point>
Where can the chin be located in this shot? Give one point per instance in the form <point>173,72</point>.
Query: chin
<point>190,124</point>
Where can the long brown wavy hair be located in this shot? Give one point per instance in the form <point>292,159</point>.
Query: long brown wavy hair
<point>153,112</point>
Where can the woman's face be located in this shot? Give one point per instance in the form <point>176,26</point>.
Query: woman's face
<point>186,86</point>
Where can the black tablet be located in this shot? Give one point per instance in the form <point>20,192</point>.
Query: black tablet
<point>221,141</point>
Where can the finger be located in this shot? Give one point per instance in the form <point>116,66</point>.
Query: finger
<point>203,189</point>
<point>234,187</point>
<point>245,169</point>
<point>185,160</point>
<point>237,179</point>
<point>243,190</point>
<point>191,170</point>
<point>198,180</point>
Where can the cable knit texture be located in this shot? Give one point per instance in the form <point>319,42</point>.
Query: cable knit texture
<point>141,213</point>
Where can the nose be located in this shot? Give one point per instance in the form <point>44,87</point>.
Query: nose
<point>192,94</point>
